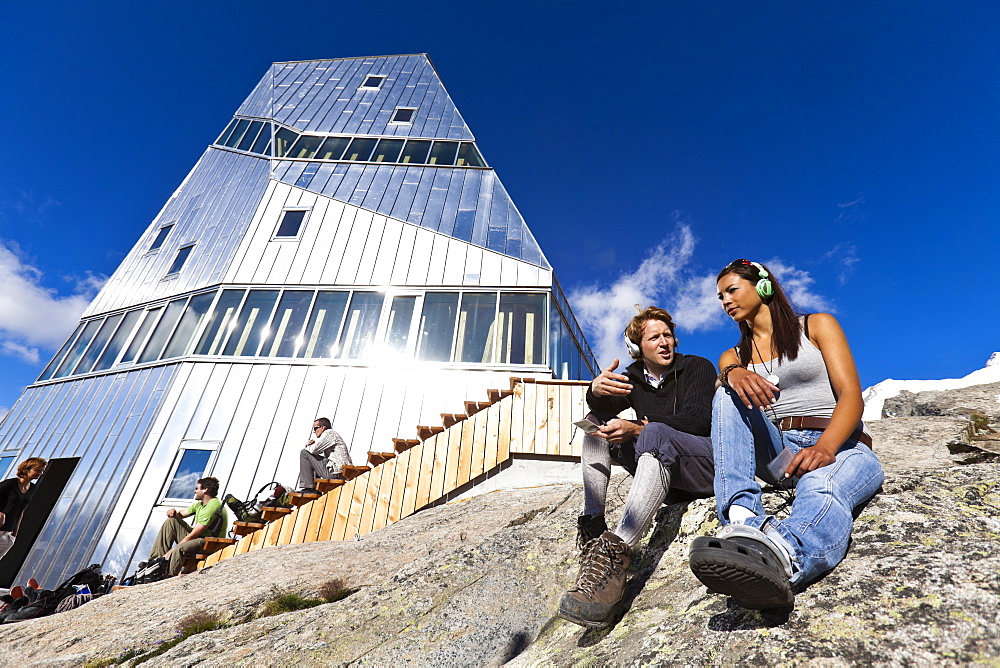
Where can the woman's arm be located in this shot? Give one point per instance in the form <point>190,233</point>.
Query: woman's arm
<point>826,334</point>
<point>752,388</point>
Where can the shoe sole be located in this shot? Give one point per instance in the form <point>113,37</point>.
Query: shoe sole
<point>729,569</point>
<point>589,623</point>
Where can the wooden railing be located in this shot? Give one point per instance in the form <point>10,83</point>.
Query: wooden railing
<point>533,417</point>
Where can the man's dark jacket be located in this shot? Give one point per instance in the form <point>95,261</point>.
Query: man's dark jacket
<point>688,386</point>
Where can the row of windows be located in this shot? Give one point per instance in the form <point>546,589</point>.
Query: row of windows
<point>255,137</point>
<point>462,327</point>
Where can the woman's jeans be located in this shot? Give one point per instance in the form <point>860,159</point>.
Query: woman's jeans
<point>817,532</point>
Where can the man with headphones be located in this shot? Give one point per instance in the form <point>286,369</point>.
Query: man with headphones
<point>667,450</point>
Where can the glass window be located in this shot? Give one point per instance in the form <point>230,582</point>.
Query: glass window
<point>251,325</point>
<point>324,325</point>
<point>284,335</point>
<point>97,345</point>
<point>388,150</point>
<point>360,149</point>
<point>333,148</point>
<point>400,317</point>
<point>291,223</point>
<point>263,140</point>
<point>443,153</point>
<point>373,81</point>
<point>238,132</point>
<point>54,362</point>
<point>403,115</point>
<point>192,466</point>
<point>283,138</point>
<point>522,328</point>
<point>6,462</point>
<point>468,156</point>
<point>305,147</point>
<point>140,336</point>
<point>360,324</point>
<point>220,323</point>
<point>191,320</point>
<point>182,256</point>
<point>437,326</point>
<point>225,133</point>
<point>416,151</point>
<point>76,352</point>
<point>160,237</point>
<point>250,136</point>
<point>476,333</point>
<point>118,341</point>
<point>162,332</point>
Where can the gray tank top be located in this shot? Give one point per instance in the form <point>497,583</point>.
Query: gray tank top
<point>804,383</point>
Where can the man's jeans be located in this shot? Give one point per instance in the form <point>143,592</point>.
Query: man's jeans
<point>818,530</point>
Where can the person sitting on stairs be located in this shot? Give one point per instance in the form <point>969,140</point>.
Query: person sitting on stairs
<point>324,456</point>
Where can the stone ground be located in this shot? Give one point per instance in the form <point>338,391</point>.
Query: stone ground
<point>477,583</point>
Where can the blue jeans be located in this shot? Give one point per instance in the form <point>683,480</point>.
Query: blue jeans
<point>818,530</point>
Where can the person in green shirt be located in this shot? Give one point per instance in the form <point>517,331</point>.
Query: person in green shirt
<point>178,540</point>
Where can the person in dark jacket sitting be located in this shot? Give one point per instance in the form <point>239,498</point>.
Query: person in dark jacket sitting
<point>15,493</point>
<point>666,449</point>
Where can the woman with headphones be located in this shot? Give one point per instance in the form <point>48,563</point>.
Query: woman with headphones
<point>789,412</point>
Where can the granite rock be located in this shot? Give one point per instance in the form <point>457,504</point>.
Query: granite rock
<point>477,582</point>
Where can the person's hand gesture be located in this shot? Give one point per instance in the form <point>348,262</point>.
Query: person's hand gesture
<point>609,383</point>
<point>752,388</point>
<point>619,431</point>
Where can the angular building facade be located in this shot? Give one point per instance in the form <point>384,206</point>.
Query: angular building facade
<point>342,250</point>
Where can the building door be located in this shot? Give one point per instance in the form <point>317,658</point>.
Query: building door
<point>47,491</point>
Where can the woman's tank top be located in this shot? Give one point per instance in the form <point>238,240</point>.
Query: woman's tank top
<point>804,383</point>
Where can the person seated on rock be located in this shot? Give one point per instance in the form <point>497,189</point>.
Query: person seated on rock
<point>789,412</point>
<point>324,456</point>
<point>666,449</point>
<point>177,540</point>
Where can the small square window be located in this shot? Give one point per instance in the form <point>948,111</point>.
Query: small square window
<point>6,461</point>
<point>161,236</point>
<point>291,224</point>
<point>403,115</point>
<point>182,256</point>
<point>194,460</point>
<point>373,82</point>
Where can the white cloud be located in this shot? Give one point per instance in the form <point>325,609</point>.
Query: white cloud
<point>668,278</point>
<point>33,316</point>
<point>845,256</point>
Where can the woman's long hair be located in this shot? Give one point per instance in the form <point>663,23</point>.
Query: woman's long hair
<point>784,317</point>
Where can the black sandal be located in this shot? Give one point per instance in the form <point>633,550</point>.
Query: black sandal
<point>748,569</point>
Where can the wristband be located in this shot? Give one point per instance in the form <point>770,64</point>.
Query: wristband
<point>724,376</point>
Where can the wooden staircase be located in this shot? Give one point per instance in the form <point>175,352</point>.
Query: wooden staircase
<point>533,417</point>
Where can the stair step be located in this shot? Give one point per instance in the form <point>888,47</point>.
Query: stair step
<point>300,499</point>
<point>271,514</point>
<point>514,380</point>
<point>423,433</point>
<point>376,458</point>
<point>401,445</point>
<point>326,485</point>
<point>213,544</point>
<point>244,528</point>
<point>473,407</point>
<point>352,472</point>
<point>497,395</point>
<point>450,419</point>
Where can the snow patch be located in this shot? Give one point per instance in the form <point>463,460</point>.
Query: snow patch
<point>876,395</point>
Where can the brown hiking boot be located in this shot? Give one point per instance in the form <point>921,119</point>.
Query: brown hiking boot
<point>589,527</point>
<point>599,587</point>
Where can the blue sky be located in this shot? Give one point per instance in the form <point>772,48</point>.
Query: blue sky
<point>853,145</point>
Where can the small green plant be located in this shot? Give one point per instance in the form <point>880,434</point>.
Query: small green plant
<point>980,423</point>
<point>335,590</point>
<point>197,622</point>
<point>288,602</point>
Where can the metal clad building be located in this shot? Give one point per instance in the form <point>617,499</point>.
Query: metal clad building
<point>342,249</point>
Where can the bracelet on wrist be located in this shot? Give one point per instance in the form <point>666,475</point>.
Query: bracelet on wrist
<point>724,376</point>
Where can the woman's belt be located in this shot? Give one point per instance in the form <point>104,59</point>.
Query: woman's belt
<point>819,423</point>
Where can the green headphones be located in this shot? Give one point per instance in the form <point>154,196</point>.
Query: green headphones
<point>764,287</point>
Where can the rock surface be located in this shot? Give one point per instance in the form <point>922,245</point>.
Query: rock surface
<point>477,583</point>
